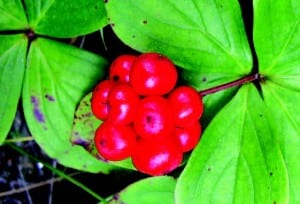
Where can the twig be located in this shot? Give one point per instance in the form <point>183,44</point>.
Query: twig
<point>32,186</point>
<point>19,139</point>
<point>60,173</point>
<point>102,38</point>
<point>24,183</point>
<point>54,164</point>
<point>237,82</point>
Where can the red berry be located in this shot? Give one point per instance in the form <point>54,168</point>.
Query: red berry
<point>188,136</point>
<point>120,68</point>
<point>153,118</point>
<point>153,74</point>
<point>122,100</point>
<point>114,142</point>
<point>99,101</point>
<point>186,104</point>
<point>156,157</point>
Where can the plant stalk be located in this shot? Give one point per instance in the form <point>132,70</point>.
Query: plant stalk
<point>238,82</point>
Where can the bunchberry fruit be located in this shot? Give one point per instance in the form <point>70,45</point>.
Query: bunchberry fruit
<point>156,156</point>
<point>99,100</point>
<point>122,101</point>
<point>119,69</point>
<point>153,118</point>
<point>115,142</point>
<point>188,136</point>
<point>144,115</point>
<point>186,104</point>
<point>153,74</point>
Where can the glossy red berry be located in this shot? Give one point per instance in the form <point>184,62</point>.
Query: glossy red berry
<point>156,157</point>
<point>153,118</point>
<point>99,100</point>
<point>122,101</point>
<point>120,68</point>
<point>188,136</point>
<point>186,104</point>
<point>114,142</point>
<point>153,74</point>
<point>144,115</point>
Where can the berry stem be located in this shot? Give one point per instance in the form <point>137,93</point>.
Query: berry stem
<point>238,82</point>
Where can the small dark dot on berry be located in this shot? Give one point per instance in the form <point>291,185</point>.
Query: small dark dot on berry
<point>102,142</point>
<point>116,78</point>
<point>148,119</point>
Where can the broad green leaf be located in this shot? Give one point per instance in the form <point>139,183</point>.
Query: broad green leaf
<point>207,36</point>
<point>12,15</point>
<point>238,159</point>
<point>69,18</point>
<point>12,65</point>
<point>57,77</point>
<point>277,40</point>
<point>284,106</point>
<point>83,131</point>
<point>158,190</point>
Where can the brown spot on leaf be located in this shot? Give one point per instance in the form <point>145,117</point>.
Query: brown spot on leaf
<point>49,98</point>
<point>36,109</point>
<point>101,158</point>
<point>84,143</point>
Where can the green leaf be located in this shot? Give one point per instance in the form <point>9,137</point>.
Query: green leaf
<point>238,159</point>
<point>284,107</point>
<point>276,37</point>
<point>277,40</point>
<point>57,77</point>
<point>158,190</point>
<point>12,65</point>
<point>12,15</point>
<point>204,36</point>
<point>83,131</point>
<point>69,18</point>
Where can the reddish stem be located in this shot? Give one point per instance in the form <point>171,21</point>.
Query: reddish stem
<point>237,82</point>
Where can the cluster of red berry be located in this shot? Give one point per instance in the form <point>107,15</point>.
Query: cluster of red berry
<point>145,115</point>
